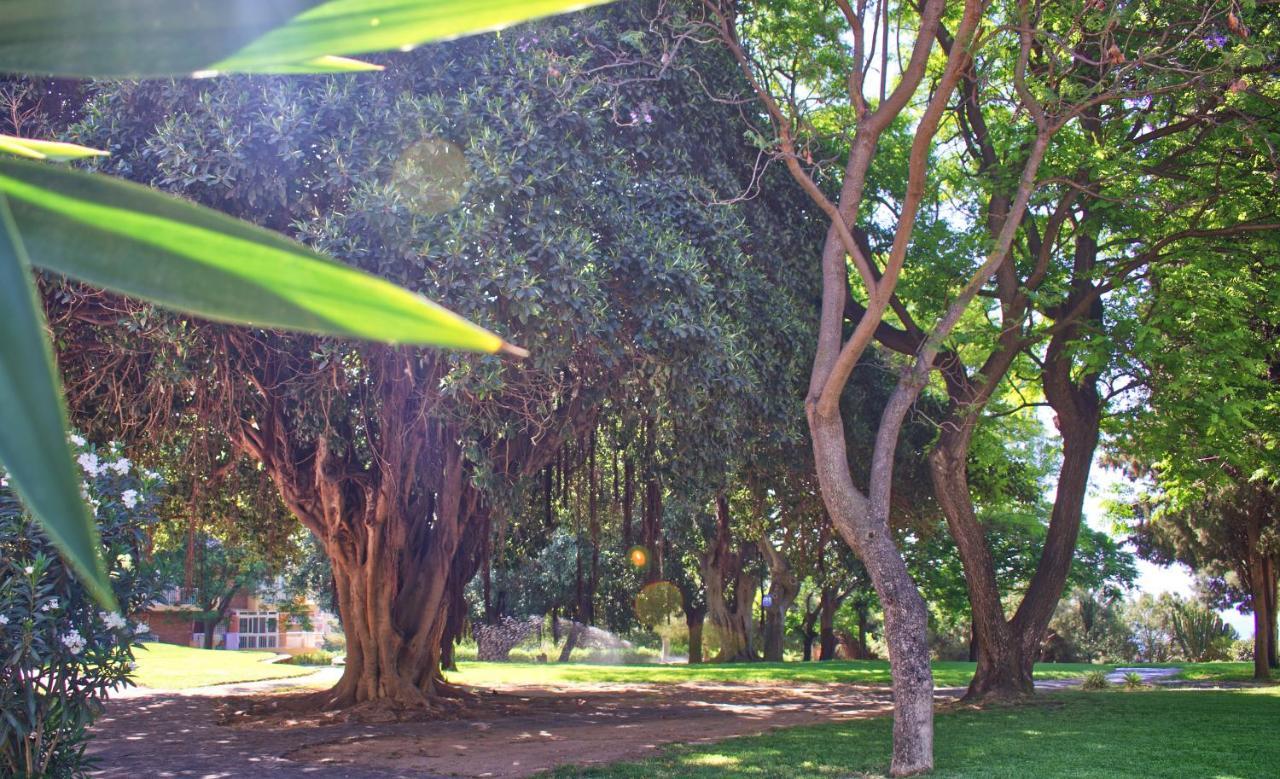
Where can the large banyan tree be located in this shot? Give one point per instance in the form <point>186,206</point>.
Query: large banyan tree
<point>547,183</point>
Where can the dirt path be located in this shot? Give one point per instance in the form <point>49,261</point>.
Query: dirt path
<point>587,724</point>
<point>513,731</point>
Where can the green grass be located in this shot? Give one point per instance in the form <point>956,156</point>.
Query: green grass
<point>171,667</point>
<point>945,674</point>
<point>1217,672</point>
<point>1228,734</point>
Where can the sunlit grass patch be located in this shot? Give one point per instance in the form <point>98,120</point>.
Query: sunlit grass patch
<point>946,673</point>
<point>172,667</point>
<point>1086,735</point>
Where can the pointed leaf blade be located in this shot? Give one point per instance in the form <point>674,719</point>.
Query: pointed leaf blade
<point>140,242</point>
<point>133,38</point>
<point>33,443</point>
<point>36,149</point>
<point>363,26</point>
<point>160,38</point>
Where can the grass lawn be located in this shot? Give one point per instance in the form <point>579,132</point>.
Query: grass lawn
<point>172,667</point>
<point>1218,672</point>
<point>945,674</point>
<point>1227,734</point>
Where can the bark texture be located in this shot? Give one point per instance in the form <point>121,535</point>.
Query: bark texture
<point>395,509</point>
<point>784,588</point>
<point>730,591</point>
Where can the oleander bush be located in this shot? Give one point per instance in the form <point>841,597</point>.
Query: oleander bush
<point>62,653</point>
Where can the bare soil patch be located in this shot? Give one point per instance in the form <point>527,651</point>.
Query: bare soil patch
<point>522,730</point>
<point>510,731</point>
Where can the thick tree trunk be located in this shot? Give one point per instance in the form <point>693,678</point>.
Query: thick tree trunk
<point>728,613</point>
<point>724,567</point>
<point>396,587</point>
<point>386,660</point>
<point>393,505</point>
<point>784,588</point>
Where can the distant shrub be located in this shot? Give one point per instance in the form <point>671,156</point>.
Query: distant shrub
<point>334,642</point>
<point>314,657</point>
<point>1133,681</point>
<point>1241,650</point>
<point>1095,680</point>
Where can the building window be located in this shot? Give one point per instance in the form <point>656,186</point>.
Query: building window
<point>259,629</point>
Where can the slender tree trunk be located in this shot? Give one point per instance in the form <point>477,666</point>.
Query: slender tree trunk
<point>1271,576</point>
<point>628,500</point>
<point>864,651</point>
<point>575,632</point>
<point>1007,649</point>
<point>1263,628</point>
<point>827,623</point>
<point>694,620</point>
<point>220,608</point>
<point>1002,672</point>
<point>1261,666</point>
<point>808,630</point>
<point>863,522</point>
<point>653,530</point>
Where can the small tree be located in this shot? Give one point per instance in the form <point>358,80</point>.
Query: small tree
<point>1199,632</point>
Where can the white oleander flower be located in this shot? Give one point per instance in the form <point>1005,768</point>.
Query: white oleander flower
<point>121,466</point>
<point>73,641</point>
<point>141,627</point>
<point>113,620</point>
<point>75,439</point>
<point>50,605</point>
<point>89,462</point>
<point>4,620</point>
<point>29,570</point>
<point>129,498</point>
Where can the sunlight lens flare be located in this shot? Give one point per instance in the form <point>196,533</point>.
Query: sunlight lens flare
<point>638,556</point>
<point>432,175</point>
<point>659,603</point>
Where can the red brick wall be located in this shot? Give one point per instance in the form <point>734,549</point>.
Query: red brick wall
<point>171,627</point>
